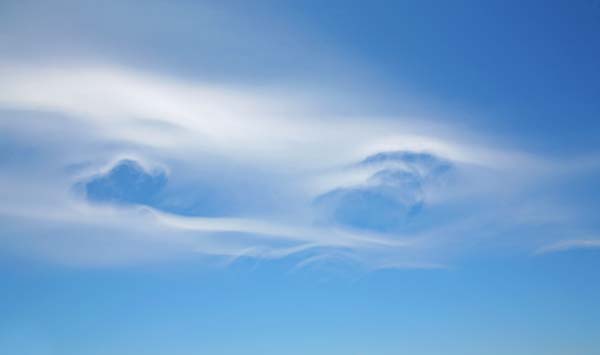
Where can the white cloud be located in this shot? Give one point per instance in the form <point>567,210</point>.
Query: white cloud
<point>296,146</point>
<point>565,245</point>
<point>236,121</point>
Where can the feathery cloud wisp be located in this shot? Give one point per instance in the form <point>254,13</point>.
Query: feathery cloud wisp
<point>241,172</point>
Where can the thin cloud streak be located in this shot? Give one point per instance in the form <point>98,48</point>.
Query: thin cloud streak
<point>567,245</point>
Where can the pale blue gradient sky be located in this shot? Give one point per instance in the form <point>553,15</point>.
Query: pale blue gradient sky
<point>284,177</point>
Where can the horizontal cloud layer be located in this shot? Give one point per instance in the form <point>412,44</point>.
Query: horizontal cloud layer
<point>113,165</point>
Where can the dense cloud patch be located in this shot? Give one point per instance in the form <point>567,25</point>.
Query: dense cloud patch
<point>391,198</point>
<point>128,183</point>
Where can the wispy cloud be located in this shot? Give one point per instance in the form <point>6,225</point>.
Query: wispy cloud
<point>231,120</point>
<point>565,245</point>
<point>240,171</point>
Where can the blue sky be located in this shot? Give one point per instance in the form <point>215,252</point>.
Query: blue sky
<point>299,177</point>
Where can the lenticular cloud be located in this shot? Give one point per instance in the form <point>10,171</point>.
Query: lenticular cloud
<point>393,195</point>
<point>165,166</point>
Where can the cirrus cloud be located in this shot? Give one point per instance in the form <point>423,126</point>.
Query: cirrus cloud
<point>166,166</point>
